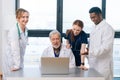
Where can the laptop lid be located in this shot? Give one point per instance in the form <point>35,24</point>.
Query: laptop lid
<point>53,65</point>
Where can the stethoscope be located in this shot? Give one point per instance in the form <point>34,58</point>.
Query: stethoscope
<point>18,30</point>
<point>19,34</point>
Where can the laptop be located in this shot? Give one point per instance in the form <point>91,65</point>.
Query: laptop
<point>56,66</point>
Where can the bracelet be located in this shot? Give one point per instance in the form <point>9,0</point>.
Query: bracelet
<point>82,64</point>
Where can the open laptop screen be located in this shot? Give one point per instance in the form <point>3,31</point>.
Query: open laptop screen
<point>53,65</point>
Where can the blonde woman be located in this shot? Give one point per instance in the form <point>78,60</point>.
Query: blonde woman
<point>16,42</point>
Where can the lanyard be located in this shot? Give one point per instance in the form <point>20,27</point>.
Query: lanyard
<point>18,31</point>
<point>57,51</point>
<point>56,54</point>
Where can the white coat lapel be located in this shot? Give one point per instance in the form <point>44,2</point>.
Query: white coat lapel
<point>51,52</point>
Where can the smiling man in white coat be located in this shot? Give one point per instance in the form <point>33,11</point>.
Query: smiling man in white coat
<point>101,45</point>
<point>57,49</point>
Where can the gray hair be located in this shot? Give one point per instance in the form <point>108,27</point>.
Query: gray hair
<point>54,32</point>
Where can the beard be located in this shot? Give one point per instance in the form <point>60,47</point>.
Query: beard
<point>56,46</point>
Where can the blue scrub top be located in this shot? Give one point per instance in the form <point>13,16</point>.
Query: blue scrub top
<point>76,45</point>
<point>78,40</point>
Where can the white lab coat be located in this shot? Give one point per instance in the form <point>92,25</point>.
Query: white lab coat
<point>101,49</point>
<point>15,49</point>
<point>64,52</point>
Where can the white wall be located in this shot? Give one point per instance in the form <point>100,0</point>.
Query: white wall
<point>7,19</point>
<point>0,34</point>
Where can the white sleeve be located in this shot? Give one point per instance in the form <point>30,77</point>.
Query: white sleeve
<point>107,42</point>
<point>72,59</point>
<point>14,48</point>
<point>45,53</point>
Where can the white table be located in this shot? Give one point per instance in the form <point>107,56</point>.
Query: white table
<point>35,74</point>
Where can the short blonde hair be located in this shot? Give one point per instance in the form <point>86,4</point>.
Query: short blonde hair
<point>19,12</point>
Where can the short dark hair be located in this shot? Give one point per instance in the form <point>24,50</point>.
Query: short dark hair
<point>95,10</point>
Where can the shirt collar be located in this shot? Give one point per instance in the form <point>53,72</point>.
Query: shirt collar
<point>26,30</point>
